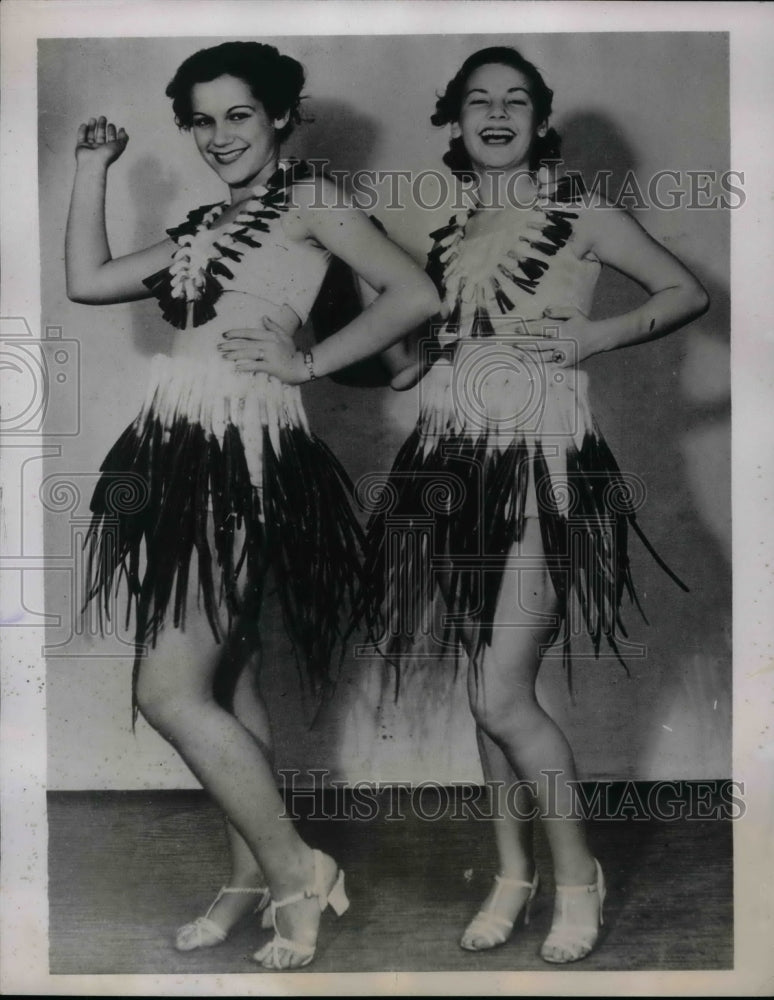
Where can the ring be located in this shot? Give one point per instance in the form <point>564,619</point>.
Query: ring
<point>557,357</point>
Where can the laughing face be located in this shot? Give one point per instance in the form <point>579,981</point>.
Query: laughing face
<point>497,118</point>
<point>233,133</point>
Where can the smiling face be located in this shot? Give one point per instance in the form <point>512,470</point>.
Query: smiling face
<point>497,118</point>
<point>233,133</point>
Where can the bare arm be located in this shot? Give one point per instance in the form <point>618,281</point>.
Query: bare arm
<point>403,360</point>
<point>405,295</point>
<point>676,296</point>
<point>93,275</point>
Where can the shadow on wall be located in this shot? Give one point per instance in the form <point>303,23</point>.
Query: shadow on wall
<point>593,144</point>
<point>338,133</point>
<point>665,409</point>
<point>694,706</point>
<point>151,183</point>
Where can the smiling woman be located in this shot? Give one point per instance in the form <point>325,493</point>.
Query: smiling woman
<point>509,101</point>
<point>241,131</point>
<point>238,142</point>
<point>498,113</point>
<point>231,475</point>
<point>531,512</point>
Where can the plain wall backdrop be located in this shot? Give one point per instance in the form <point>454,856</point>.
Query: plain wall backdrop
<point>624,102</point>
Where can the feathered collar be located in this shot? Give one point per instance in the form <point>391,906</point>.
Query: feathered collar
<point>200,258</point>
<point>487,274</point>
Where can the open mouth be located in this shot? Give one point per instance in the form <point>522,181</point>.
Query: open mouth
<point>497,136</point>
<point>229,157</point>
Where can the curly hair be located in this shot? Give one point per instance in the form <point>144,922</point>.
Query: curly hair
<point>274,79</point>
<point>449,105</point>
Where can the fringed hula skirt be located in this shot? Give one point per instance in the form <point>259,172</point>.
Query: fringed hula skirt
<point>498,440</point>
<point>227,459</point>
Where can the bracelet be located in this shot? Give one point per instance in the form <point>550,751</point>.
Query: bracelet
<point>309,362</point>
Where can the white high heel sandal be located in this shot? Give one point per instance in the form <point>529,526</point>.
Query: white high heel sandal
<point>335,897</point>
<point>205,933</point>
<point>489,927</point>
<point>573,935</point>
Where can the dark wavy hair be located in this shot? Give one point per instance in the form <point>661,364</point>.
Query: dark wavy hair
<point>274,79</point>
<point>448,106</point>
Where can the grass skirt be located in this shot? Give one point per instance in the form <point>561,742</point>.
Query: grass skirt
<point>228,459</point>
<point>499,439</point>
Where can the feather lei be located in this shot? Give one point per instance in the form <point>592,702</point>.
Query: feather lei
<point>494,291</point>
<point>204,256</point>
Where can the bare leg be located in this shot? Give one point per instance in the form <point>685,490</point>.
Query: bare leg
<point>513,831</point>
<point>511,805</point>
<point>501,686</point>
<point>229,908</point>
<point>502,694</point>
<point>175,695</point>
<point>250,709</point>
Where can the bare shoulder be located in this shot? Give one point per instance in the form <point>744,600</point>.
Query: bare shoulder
<point>598,223</point>
<point>318,202</point>
<point>593,211</point>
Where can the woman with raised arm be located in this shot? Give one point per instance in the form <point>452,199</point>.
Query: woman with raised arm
<point>224,461</point>
<point>534,524</point>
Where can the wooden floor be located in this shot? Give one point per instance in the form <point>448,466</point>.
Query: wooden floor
<point>126,868</point>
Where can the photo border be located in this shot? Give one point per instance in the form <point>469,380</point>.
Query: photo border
<point>23,900</point>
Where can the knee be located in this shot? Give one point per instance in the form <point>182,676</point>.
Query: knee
<point>162,704</point>
<point>154,702</point>
<point>507,719</point>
